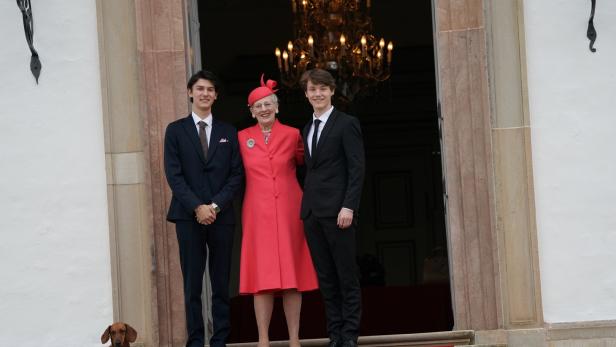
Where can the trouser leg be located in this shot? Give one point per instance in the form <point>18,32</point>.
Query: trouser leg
<point>220,244</point>
<point>193,255</point>
<point>343,247</point>
<point>327,275</point>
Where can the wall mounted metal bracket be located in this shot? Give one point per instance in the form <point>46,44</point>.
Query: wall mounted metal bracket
<point>26,12</point>
<point>591,33</point>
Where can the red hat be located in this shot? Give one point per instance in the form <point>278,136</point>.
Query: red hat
<point>266,89</point>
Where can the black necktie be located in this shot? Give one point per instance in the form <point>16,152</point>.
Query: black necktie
<point>203,137</point>
<point>315,133</point>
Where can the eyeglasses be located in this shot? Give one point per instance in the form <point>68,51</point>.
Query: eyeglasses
<point>265,106</point>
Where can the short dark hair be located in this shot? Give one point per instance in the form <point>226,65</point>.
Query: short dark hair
<point>206,75</point>
<point>317,76</point>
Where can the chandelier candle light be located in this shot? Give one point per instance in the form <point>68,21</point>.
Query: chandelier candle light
<point>335,35</point>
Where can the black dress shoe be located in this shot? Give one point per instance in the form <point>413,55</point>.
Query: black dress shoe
<point>349,343</point>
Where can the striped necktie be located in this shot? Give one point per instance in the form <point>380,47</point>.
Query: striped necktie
<point>203,137</point>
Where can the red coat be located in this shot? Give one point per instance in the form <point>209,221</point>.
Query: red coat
<point>274,251</point>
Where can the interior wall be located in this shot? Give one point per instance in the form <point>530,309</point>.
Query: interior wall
<point>247,47</point>
<point>401,242</point>
<point>572,103</point>
<point>54,255</point>
<point>399,122</point>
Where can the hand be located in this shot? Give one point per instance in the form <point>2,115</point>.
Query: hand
<point>345,218</point>
<point>205,214</point>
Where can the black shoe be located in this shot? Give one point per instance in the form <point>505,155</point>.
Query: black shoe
<point>349,343</point>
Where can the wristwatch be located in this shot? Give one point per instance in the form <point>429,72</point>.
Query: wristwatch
<point>215,207</point>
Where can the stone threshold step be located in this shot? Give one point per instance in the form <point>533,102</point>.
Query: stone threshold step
<point>433,339</point>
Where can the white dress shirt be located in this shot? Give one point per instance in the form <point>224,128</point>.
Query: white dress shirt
<point>208,128</point>
<point>323,118</point>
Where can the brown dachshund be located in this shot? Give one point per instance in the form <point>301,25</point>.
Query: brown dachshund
<point>121,334</point>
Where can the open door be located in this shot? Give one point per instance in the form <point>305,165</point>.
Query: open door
<point>402,243</point>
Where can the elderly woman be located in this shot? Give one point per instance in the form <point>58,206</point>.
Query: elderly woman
<point>275,259</point>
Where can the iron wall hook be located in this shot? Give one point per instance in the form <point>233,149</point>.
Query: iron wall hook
<point>26,12</point>
<point>591,33</point>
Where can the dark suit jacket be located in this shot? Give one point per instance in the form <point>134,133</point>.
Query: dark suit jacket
<point>335,172</point>
<point>194,180</point>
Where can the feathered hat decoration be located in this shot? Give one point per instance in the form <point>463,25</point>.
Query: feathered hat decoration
<point>266,89</point>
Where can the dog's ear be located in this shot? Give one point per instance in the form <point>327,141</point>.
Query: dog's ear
<point>105,336</point>
<point>131,334</point>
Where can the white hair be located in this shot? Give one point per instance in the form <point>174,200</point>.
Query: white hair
<point>274,98</point>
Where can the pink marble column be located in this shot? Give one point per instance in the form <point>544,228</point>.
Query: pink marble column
<point>469,176</point>
<point>162,61</point>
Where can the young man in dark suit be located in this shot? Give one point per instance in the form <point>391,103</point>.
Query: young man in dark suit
<point>204,170</point>
<point>335,165</point>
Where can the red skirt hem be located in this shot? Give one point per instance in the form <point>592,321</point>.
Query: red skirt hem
<point>278,290</point>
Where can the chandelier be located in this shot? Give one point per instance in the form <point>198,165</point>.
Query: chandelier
<point>335,35</point>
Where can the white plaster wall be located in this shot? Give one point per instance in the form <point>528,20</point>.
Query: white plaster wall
<point>572,96</point>
<point>54,252</point>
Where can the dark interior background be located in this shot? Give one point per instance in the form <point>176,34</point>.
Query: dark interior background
<point>402,237</point>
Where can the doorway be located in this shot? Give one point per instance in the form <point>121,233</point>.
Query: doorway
<point>402,249</point>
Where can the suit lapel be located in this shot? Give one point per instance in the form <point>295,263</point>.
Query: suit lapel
<point>193,136</point>
<point>215,136</point>
<point>325,132</point>
<point>306,143</point>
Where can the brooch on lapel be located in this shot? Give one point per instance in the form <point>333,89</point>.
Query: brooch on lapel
<point>250,143</point>
<point>223,140</point>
